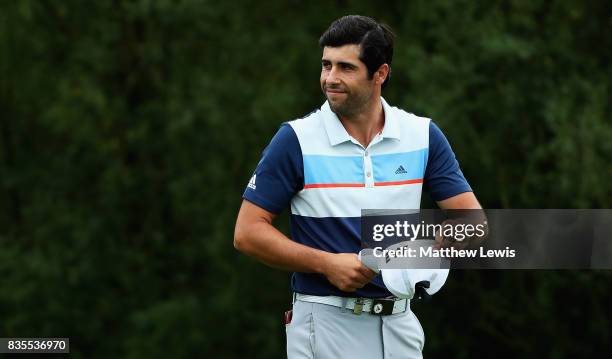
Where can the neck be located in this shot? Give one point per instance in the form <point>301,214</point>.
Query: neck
<point>367,123</point>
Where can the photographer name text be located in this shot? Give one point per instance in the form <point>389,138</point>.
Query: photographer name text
<point>450,252</point>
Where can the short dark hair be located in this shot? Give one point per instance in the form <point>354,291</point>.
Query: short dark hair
<point>376,40</point>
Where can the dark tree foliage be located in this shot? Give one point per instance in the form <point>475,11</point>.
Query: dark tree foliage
<point>129,129</point>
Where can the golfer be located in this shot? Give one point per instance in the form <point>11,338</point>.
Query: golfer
<point>354,152</point>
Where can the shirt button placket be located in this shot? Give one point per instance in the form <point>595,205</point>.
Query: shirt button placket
<point>367,167</point>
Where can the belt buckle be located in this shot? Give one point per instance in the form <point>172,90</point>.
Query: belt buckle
<point>382,306</point>
<point>358,307</point>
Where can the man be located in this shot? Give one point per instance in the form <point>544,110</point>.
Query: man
<point>355,152</point>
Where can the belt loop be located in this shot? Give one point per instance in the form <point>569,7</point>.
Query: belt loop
<point>406,306</point>
<point>344,303</point>
<point>293,299</point>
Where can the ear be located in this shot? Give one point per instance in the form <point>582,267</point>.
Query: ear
<point>381,74</point>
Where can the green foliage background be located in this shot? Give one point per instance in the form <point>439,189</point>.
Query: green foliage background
<point>129,130</point>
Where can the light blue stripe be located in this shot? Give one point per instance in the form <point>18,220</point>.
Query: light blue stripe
<point>386,166</point>
<point>332,169</point>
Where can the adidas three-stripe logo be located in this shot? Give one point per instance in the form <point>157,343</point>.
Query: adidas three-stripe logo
<point>400,170</point>
<point>252,182</point>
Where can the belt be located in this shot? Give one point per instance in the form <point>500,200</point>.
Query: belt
<point>374,306</point>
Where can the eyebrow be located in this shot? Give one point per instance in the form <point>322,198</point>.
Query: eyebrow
<point>342,63</point>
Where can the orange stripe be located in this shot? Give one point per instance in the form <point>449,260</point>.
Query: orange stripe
<point>331,185</point>
<point>336,185</point>
<point>399,182</point>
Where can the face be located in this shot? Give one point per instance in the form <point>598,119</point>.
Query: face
<point>344,80</point>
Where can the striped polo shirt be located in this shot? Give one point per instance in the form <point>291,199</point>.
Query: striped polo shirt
<point>327,177</point>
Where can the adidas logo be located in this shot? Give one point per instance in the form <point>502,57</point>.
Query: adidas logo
<point>252,182</point>
<point>400,170</point>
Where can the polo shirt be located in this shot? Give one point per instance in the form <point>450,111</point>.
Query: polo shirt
<point>326,177</point>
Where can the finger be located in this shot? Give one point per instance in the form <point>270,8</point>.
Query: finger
<point>360,279</point>
<point>446,242</point>
<point>345,286</point>
<point>358,285</point>
<point>438,241</point>
<point>354,285</point>
<point>364,270</point>
<point>461,245</point>
<point>370,274</point>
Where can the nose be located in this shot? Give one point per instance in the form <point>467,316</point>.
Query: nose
<point>332,76</point>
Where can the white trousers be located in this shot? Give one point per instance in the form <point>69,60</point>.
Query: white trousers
<point>323,331</point>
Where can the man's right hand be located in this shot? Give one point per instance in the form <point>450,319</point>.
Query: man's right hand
<point>346,272</point>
